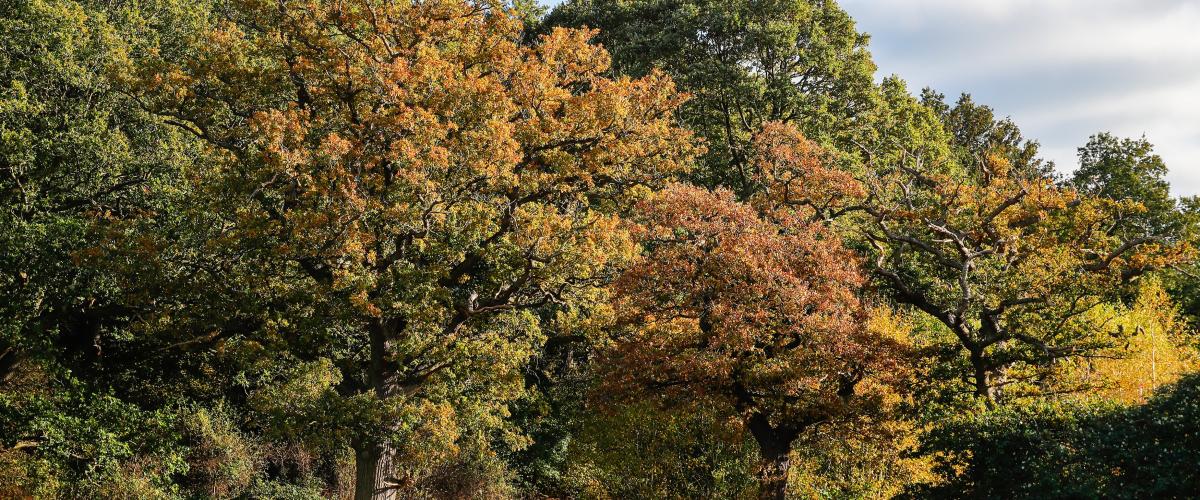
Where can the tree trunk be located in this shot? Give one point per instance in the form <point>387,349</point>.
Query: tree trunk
<point>374,473</point>
<point>982,378</point>
<point>775,449</point>
<point>10,359</point>
<point>375,463</point>
<point>773,475</point>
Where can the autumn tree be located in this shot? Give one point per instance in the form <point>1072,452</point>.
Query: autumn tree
<point>415,185</point>
<point>1155,352</point>
<point>1006,261</point>
<point>756,313</point>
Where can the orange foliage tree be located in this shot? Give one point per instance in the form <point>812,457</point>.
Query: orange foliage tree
<point>757,313</point>
<point>427,177</point>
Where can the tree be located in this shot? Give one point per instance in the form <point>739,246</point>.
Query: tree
<point>754,313</point>
<point>72,149</point>
<point>75,155</point>
<point>975,133</point>
<point>413,187</point>
<point>1128,169</point>
<point>746,62</point>
<point>1005,261</point>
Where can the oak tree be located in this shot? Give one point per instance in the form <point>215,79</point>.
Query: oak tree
<point>415,179</point>
<point>1007,262</point>
<point>756,313</point>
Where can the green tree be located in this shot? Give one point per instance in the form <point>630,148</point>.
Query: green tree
<point>72,150</point>
<point>1128,169</point>
<point>75,156</point>
<point>976,132</point>
<point>746,63</point>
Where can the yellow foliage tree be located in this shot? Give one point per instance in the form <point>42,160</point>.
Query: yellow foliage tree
<point>1153,350</point>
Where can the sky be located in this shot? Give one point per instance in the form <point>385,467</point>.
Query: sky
<point>1061,69</point>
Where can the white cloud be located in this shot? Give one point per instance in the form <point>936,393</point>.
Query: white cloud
<point>1062,69</point>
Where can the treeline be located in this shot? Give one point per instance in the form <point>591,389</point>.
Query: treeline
<point>622,249</point>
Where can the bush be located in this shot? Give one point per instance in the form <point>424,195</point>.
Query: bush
<point>1073,448</point>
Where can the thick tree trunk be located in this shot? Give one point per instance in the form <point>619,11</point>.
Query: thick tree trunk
<point>775,448</point>
<point>375,463</point>
<point>773,476</point>
<point>374,473</point>
<point>982,378</point>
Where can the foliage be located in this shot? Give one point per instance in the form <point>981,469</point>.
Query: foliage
<point>80,442</point>
<point>871,455</point>
<point>415,191</point>
<point>74,154</point>
<point>1073,448</point>
<point>746,62</point>
<point>639,450</point>
<point>1128,169</point>
<point>1154,353</point>
<point>975,133</point>
<point>71,150</point>
<point>755,314</point>
<point>441,249</point>
<point>1005,261</point>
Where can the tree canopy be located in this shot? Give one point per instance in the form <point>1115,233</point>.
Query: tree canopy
<point>616,249</point>
<point>746,63</point>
